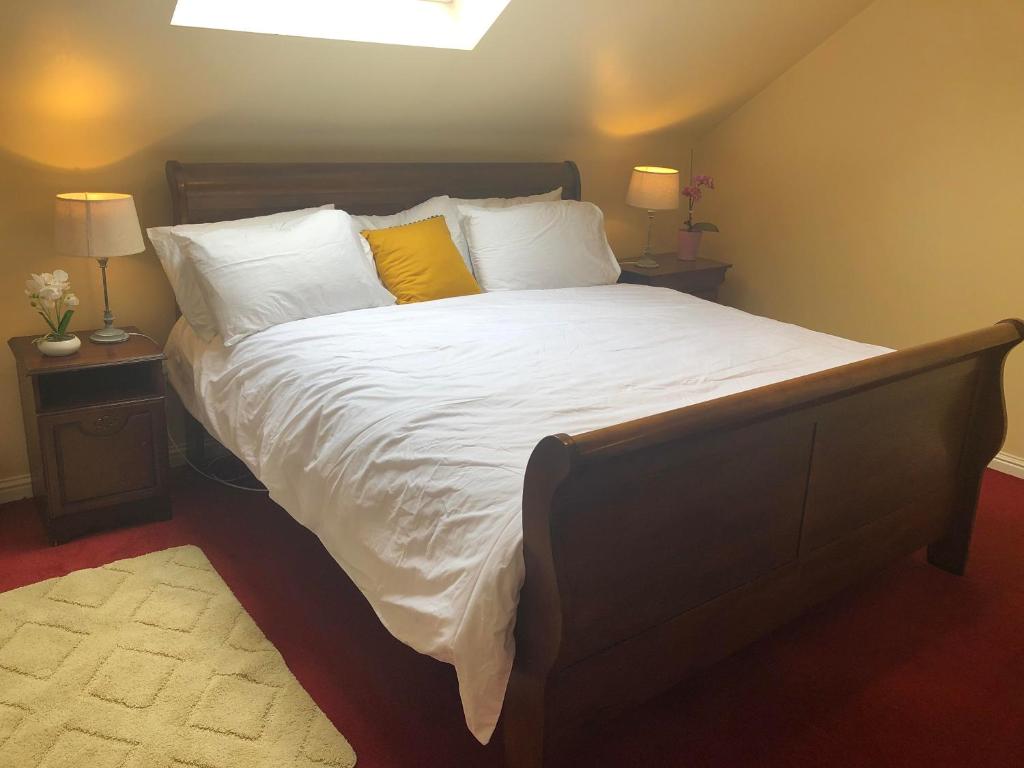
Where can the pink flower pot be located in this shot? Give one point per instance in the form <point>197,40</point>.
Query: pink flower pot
<point>689,244</point>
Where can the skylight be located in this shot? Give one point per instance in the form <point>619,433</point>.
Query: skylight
<point>458,24</point>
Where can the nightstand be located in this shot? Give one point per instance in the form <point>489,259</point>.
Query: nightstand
<point>96,432</point>
<point>700,277</point>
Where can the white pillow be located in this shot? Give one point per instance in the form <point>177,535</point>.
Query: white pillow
<point>256,277</point>
<point>508,202</point>
<point>181,274</point>
<point>435,206</point>
<point>540,245</point>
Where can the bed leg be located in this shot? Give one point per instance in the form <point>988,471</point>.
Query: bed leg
<point>950,552</point>
<point>523,722</point>
<point>988,417</point>
<point>195,441</point>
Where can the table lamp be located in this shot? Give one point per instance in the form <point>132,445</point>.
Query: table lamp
<point>98,225</point>
<point>654,189</point>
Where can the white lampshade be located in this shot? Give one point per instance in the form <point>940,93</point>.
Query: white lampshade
<point>653,188</point>
<point>97,224</point>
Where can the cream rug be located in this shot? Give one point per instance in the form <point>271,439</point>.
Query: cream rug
<point>150,663</point>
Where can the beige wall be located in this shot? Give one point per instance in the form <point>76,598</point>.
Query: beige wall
<point>876,189</point>
<point>98,95</point>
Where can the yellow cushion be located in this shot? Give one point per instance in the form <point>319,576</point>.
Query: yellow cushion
<point>419,261</point>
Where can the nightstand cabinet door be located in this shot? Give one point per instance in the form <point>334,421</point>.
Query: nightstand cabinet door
<point>103,456</point>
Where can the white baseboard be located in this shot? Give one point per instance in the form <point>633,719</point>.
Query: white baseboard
<point>1008,464</point>
<point>14,488</point>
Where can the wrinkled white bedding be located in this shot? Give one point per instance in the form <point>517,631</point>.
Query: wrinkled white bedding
<point>400,435</point>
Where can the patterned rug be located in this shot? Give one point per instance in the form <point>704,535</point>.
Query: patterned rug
<point>150,663</point>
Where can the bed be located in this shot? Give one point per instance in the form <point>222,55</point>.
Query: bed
<point>579,496</point>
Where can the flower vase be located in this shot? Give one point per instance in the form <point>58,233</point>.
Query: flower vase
<point>689,244</point>
<point>59,347</point>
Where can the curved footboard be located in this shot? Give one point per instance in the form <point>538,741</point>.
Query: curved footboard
<point>661,545</point>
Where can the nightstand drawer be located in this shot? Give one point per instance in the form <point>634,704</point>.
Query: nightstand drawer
<point>700,277</point>
<point>694,282</point>
<point>105,455</point>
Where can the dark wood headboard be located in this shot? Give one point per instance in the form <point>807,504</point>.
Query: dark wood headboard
<point>203,192</point>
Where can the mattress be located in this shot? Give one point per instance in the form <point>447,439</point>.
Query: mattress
<point>400,435</point>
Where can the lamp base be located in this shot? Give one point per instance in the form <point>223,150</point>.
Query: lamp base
<point>109,335</point>
<point>645,262</point>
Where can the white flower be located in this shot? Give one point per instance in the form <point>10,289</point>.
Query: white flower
<point>34,285</point>
<point>49,292</point>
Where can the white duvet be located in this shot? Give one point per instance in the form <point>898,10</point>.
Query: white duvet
<point>400,435</point>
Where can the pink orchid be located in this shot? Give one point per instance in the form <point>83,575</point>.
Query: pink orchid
<point>695,191</point>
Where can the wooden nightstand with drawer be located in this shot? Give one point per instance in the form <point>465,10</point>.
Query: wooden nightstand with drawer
<point>700,277</point>
<point>96,432</point>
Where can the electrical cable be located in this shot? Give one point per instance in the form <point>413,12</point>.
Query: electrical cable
<point>228,482</point>
<point>208,476</point>
<point>135,333</point>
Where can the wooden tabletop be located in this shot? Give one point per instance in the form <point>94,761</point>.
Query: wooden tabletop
<point>671,264</point>
<point>91,355</point>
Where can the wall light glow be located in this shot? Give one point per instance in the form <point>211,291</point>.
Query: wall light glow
<point>626,104</point>
<point>78,108</point>
<point>458,24</point>
<point>75,88</point>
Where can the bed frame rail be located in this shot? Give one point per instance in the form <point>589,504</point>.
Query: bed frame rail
<point>661,545</point>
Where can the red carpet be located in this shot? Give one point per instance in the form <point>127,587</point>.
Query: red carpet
<point>916,667</point>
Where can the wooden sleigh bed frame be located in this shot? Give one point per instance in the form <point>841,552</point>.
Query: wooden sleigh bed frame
<point>658,546</point>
